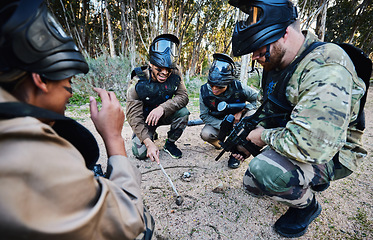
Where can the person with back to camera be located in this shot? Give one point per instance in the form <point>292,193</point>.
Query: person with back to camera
<point>46,189</point>
<point>157,96</point>
<point>320,140</point>
<point>223,86</point>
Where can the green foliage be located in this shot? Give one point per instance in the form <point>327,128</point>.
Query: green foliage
<point>351,21</point>
<point>79,99</point>
<point>105,72</point>
<point>254,80</point>
<point>194,85</point>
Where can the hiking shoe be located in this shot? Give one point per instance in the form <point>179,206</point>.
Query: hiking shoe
<point>233,163</point>
<point>295,221</point>
<point>321,187</point>
<point>171,149</point>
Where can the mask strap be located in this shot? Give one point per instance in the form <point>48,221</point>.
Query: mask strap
<point>268,54</point>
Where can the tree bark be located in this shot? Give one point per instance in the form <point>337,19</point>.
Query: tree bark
<point>321,19</point>
<point>166,5</point>
<point>109,33</point>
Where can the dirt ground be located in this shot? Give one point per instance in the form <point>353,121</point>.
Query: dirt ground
<point>215,204</point>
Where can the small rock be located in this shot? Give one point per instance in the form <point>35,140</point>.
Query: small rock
<point>220,188</point>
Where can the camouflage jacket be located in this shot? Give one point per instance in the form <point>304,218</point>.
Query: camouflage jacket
<point>325,92</point>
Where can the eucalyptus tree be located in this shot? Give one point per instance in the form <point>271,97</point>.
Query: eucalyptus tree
<point>351,21</point>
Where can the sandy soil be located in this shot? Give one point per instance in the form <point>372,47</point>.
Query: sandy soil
<point>215,204</point>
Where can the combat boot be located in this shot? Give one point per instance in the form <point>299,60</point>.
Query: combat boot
<point>295,221</point>
<point>233,162</point>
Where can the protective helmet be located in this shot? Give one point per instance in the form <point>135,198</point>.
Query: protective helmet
<point>266,23</point>
<point>32,40</point>
<point>164,51</point>
<point>222,71</point>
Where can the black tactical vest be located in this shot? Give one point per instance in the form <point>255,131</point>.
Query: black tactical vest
<point>211,101</point>
<point>151,93</point>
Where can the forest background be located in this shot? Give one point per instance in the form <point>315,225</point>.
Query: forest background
<point>115,35</point>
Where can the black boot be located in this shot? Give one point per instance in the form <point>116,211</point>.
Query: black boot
<point>295,221</point>
<point>233,163</point>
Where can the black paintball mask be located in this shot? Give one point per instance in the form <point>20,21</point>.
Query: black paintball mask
<point>222,71</point>
<point>32,40</point>
<point>164,51</point>
<point>266,23</point>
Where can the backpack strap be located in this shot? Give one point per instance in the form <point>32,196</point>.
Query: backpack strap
<point>67,128</point>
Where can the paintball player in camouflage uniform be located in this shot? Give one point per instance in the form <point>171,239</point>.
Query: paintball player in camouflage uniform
<point>157,96</point>
<point>320,142</point>
<point>222,86</point>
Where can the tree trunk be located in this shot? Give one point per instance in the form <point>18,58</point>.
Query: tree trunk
<point>244,68</point>
<point>244,59</point>
<point>165,15</point>
<point>109,33</point>
<point>321,19</point>
<point>85,17</point>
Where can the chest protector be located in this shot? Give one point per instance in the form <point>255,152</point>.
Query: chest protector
<point>274,87</point>
<point>151,93</point>
<point>211,101</point>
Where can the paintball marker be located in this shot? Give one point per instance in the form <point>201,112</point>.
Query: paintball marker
<point>195,122</point>
<point>230,108</point>
<point>237,133</point>
<point>225,108</point>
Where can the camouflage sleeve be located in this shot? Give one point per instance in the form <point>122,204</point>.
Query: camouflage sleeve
<point>322,93</point>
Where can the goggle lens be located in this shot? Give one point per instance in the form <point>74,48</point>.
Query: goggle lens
<point>162,45</point>
<point>254,15</point>
<point>223,67</point>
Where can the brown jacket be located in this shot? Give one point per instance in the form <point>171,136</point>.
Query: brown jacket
<point>134,109</point>
<point>46,192</point>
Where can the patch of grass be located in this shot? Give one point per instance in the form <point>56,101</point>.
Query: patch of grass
<point>362,218</point>
<point>275,210</point>
<point>79,99</point>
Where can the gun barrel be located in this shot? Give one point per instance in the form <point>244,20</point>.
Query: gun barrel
<point>220,154</point>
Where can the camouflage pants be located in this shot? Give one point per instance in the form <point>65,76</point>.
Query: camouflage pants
<point>288,181</point>
<point>178,122</point>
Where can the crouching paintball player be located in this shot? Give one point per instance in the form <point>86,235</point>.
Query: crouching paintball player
<point>317,86</point>
<point>222,95</point>
<point>157,96</point>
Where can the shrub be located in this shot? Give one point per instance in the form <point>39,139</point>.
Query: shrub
<point>110,73</point>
